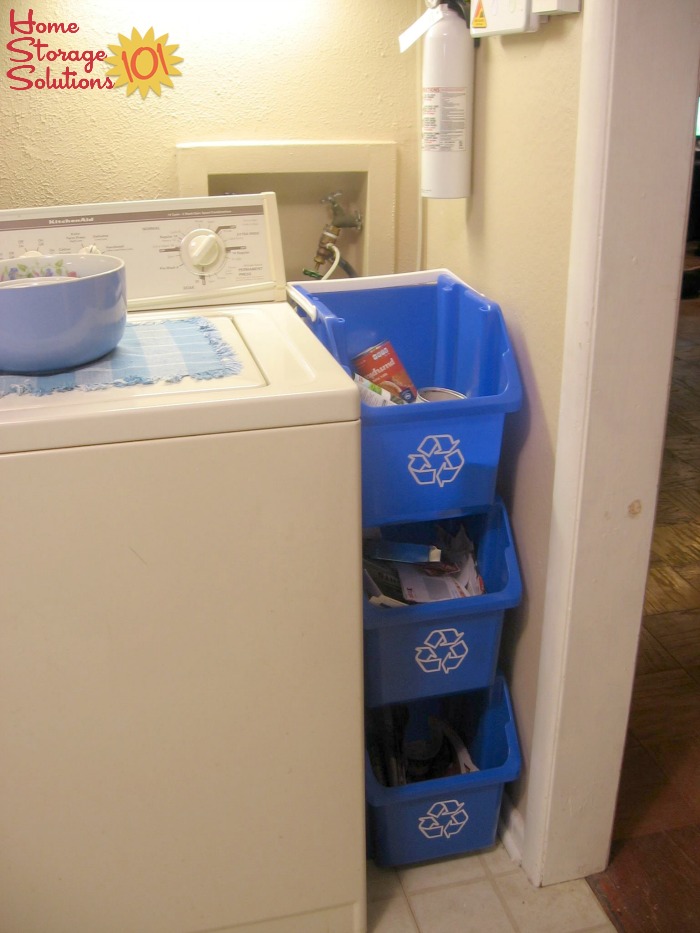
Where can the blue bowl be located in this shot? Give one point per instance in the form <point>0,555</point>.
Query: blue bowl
<point>59,312</point>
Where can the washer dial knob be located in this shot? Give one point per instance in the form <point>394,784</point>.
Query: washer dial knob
<point>203,252</point>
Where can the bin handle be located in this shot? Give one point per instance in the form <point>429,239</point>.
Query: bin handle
<point>306,305</point>
<point>329,328</point>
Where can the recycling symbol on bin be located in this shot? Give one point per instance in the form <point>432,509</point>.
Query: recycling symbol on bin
<point>437,460</point>
<point>445,818</point>
<point>443,650</point>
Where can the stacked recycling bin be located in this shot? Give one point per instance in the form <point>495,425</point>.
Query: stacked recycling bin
<point>427,466</point>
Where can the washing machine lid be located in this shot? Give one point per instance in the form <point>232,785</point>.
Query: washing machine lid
<point>275,374</point>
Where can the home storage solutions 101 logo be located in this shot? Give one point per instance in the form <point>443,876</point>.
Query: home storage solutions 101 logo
<point>37,60</point>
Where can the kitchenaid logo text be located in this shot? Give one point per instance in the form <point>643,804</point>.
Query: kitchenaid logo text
<point>38,63</point>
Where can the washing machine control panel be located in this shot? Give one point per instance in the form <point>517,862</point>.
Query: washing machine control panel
<point>178,252</point>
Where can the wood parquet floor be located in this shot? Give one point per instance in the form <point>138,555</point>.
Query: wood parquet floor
<point>652,884</point>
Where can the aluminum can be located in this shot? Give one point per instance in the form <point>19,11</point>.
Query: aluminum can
<point>438,394</point>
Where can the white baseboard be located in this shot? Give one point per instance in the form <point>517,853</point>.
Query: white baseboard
<point>511,829</point>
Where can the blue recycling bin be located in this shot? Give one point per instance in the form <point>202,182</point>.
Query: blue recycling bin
<point>452,815</point>
<point>437,648</point>
<point>432,459</point>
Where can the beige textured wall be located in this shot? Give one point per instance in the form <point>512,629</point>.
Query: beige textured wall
<point>304,69</point>
<point>512,243</point>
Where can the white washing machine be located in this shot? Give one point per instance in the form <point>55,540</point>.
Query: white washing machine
<point>180,617</point>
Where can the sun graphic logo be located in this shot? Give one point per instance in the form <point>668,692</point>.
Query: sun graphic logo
<point>143,62</point>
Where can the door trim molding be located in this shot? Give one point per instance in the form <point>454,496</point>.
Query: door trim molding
<point>631,186</point>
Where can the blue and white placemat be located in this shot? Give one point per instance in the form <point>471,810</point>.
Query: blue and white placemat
<point>149,352</point>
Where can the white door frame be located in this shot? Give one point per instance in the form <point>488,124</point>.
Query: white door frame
<point>639,83</point>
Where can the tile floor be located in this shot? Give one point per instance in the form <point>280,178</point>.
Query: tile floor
<point>481,893</point>
<point>652,882</point>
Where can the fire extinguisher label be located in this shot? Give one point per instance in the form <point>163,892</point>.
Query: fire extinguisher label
<point>444,119</point>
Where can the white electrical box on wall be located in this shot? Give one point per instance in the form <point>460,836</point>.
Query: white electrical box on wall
<point>501,17</point>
